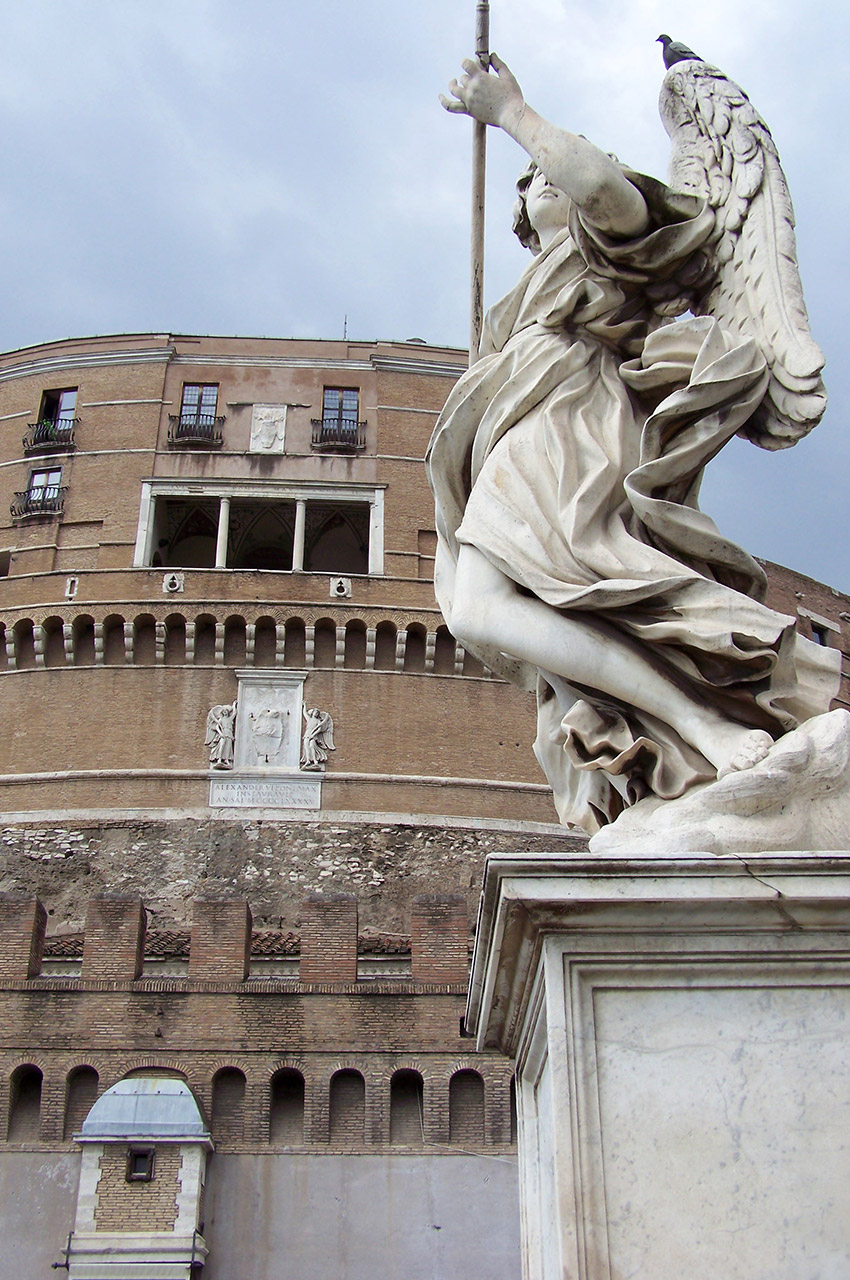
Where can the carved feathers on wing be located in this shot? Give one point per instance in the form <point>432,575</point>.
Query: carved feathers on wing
<point>723,151</point>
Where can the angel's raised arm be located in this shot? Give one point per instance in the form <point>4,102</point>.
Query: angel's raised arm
<point>574,165</point>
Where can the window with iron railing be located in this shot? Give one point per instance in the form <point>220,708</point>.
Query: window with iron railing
<point>197,422</point>
<point>56,426</point>
<point>339,428</point>
<point>45,495</point>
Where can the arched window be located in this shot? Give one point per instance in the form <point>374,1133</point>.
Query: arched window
<point>25,1105</point>
<point>414,653</point>
<point>347,1109</point>
<point>337,539</point>
<point>324,654</point>
<point>24,645</point>
<point>113,641</point>
<point>294,643</point>
<point>228,1105</point>
<point>234,642</point>
<point>466,1108</point>
<point>83,629</point>
<point>406,1109</point>
<point>286,1117</point>
<point>54,643</point>
<point>175,640</point>
<point>385,635</point>
<point>444,652</point>
<point>265,643</point>
<point>266,538</point>
<point>192,544</point>
<point>80,1097</point>
<point>204,640</point>
<point>144,648</point>
<point>355,644</point>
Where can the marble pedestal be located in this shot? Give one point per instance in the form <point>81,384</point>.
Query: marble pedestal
<point>681,1030</point>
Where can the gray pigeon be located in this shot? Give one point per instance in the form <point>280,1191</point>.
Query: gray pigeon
<point>674,52</point>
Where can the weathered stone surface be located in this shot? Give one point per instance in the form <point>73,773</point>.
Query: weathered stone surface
<point>797,797</point>
<point>679,1031</point>
<point>274,864</point>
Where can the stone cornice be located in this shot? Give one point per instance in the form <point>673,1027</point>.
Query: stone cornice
<point>85,360</point>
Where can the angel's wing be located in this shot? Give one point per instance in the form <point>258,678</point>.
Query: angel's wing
<point>722,150</point>
<point>327,729</point>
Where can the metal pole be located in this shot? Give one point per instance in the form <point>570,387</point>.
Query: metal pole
<point>479,150</point>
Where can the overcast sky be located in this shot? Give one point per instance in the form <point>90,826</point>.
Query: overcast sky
<point>270,167</point>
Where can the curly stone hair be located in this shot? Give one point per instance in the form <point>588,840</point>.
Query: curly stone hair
<point>521,225</point>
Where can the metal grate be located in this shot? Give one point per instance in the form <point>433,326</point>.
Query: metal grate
<point>50,437</point>
<point>48,500</point>
<point>201,430</point>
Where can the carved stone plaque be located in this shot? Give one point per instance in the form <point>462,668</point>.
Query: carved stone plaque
<point>268,726</point>
<point>271,793</point>
<point>268,428</point>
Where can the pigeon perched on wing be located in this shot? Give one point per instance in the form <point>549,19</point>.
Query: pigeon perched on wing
<point>675,52</point>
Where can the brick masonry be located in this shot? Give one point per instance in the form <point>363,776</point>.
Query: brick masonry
<point>137,1206</point>
<point>231,1038</point>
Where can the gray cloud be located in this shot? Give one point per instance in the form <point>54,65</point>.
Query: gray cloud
<point>264,169</point>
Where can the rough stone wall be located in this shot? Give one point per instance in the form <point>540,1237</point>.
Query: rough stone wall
<point>38,1192</point>
<point>274,863</point>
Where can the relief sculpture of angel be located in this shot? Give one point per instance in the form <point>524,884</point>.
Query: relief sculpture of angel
<point>653,323</point>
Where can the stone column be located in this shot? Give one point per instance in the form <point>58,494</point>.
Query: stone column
<point>143,551</point>
<point>223,531</point>
<point>376,534</point>
<point>298,536</point>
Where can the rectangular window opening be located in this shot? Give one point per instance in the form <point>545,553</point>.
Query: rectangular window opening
<point>54,431</point>
<point>339,427</point>
<point>140,1162</point>
<point>199,402</point>
<point>58,406</point>
<point>198,422</point>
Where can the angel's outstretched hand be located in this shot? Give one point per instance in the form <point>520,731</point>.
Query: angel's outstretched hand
<point>490,99</point>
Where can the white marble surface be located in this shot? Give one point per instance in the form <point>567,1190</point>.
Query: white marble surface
<point>235,792</point>
<point>268,428</point>
<point>654,324</point>
<point>268,722</point>
<point>798,797</point>
<point>680,1029</point>
<point>725,1126</point>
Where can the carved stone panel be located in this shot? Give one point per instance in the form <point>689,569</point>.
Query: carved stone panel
<point>268,726</point>
<point>268,428</point>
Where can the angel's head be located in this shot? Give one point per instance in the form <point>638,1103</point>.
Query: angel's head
<point>540,211</point>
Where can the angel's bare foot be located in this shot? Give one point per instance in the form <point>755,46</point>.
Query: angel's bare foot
<point>753,749</point>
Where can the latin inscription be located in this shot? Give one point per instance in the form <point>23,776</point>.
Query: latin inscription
<point>271,795</point>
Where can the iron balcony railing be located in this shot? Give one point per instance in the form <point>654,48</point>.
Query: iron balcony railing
<point>201,430</point>
<point>341,435</point>
<point>46,501</point>
<point>50,437</point>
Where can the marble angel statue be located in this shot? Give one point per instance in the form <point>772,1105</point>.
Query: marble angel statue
<point>318,738</point>
<point>653,324</point>
<point>221,731</point>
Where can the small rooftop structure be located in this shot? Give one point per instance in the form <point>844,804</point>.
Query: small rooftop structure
<point>145,1107</point>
